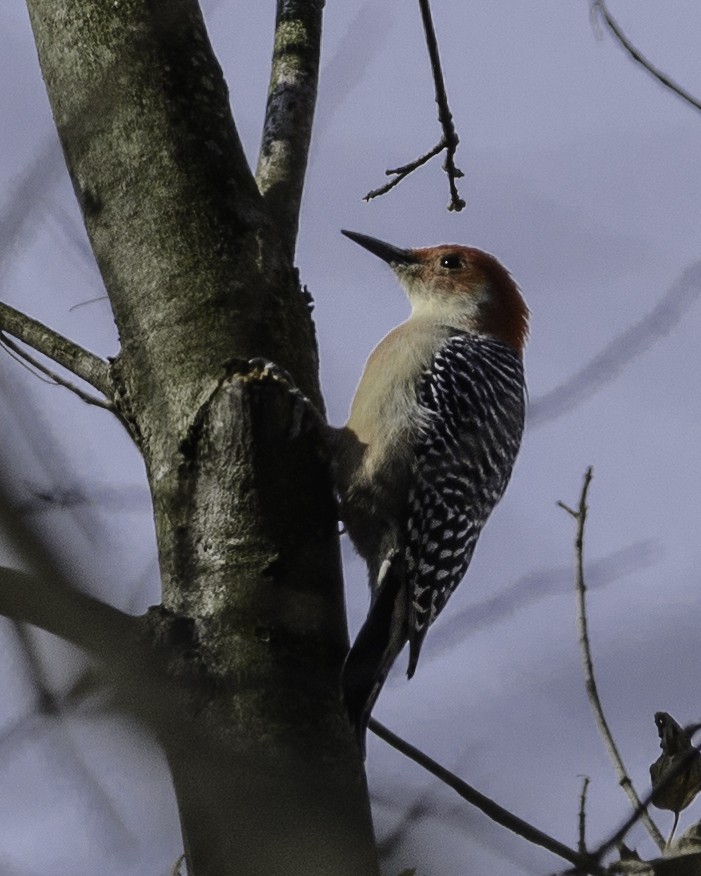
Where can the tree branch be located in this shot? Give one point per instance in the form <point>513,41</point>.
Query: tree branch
<point>400,173</point>
<point>53,605</point>
<point>45,597</point>
<point>287,129</point>
<point>636,55</point>
<point>63,351</point>
<point>30,362</point>
<point>484,804</point>
<point>449,141</point>
<point>580,516</point>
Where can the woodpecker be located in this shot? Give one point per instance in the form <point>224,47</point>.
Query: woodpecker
<point>428,449</point>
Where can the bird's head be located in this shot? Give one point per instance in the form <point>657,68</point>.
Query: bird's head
<point>458,285</point>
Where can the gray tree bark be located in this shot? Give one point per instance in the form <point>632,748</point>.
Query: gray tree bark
<point>196,255</point>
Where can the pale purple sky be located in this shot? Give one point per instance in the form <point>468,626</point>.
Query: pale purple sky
<point>582,176</point>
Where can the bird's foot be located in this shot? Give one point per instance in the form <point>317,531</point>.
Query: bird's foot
<point>301,405</point>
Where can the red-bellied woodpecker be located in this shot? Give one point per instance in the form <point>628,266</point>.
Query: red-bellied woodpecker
<point>428,449</point>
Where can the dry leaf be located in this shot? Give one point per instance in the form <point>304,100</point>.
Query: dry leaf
<point>676,747</point>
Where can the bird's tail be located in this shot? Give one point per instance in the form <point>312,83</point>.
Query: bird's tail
<point>378,644</point>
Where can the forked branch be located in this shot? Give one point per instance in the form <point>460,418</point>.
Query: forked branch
<point>81,362</point>
<point>448,142</point>
<point>580,516</point>
<point>33,365</point>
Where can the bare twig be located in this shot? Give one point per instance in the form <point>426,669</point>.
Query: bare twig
<point>580,516</point>
<point>287,129</point>
<point>484,804</point>
<point>582,841</point>
<point>606,365</point>
<point>400,173</point>
<point>88,301</point>
<point>27,359</point>
<point>449,141</point>
<point>600,7</point>
<point>84,364</point>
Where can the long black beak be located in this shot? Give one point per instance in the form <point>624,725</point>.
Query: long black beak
<point>385,251</point>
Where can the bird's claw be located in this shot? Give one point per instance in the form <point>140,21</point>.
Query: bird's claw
<point>301,405</point>
<point>268,368</point>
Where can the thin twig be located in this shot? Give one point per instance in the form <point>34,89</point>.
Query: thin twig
<point>449,141</point>
<point>484,804</point>
<point>27,359</point>
<point>400,173</point>
<point>582,841</point>
<point>84,364</point>
<point>88,301</point>
<point>580,515</point>
<point>636,55</point>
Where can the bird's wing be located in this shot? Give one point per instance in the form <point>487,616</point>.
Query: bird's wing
<point>473,400</point>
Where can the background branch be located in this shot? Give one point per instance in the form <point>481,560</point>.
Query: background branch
<point>537,586</point>
<point>63,351</point>
<point>607,364</point>
<point>580,516</point>
<point>45,597</point>
<point>52,604</point>
<point>636,55</point>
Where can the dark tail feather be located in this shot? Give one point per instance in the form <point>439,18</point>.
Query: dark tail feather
<point>416,640</point>
<point>379,642</point>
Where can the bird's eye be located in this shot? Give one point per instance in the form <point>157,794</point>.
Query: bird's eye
<point>451,261</point>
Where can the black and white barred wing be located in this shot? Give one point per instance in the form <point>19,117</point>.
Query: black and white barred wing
<point>473,397</point>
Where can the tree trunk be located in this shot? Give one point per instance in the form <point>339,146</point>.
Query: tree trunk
<point>199,272</point>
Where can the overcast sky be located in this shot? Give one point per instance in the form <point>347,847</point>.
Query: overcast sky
<point>582,176</point>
